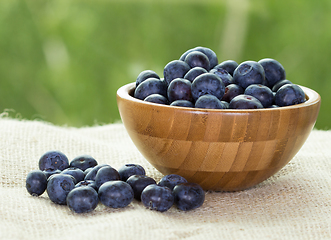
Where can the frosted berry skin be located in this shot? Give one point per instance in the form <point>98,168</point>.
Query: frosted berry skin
<point>175,69</point>
<point>58,187</point>
<point>188,196</point>
<point>262,93</point>
<point>116,194</point>
<point>209,102</point>
<point>245,102</point>
<point>197,59</point>
<point>53,160</point>
<point>223,74</point>
<point>106,174</point>
<point>82,200</point>
<point>36,182</point>
<point>228,65</point>
<point>83,162</point>
<point>182,103</point>
<point>274,71</point>
<point>289,94</point>
<point>213,61</point>
<point>231,91</point>
<point>280,84</point>
<point>171,181</point>
<point>194,72</point>
<point>150,86</point>
<point>207,83</point>
<point>128,170</point>
<point>179,89</point>
<point>158,198</point>
<point>157,98</point>
<point>145,75</point>
<point>77,173</point>
<point>138,183</point>
<point>87,183</point>
<point>91,174</point>
<point>247,73</point>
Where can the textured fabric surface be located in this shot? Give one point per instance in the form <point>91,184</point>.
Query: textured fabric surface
<point>293,204</point>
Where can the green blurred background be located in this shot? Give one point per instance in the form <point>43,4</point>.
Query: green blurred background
<point>63,61</point>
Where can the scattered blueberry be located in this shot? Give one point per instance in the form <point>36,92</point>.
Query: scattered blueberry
<point>50,172</point>
<point>90,175</point>
<point>247,73</point>
<point>77,173</point>
<point>289,94</point>
<point>171,181</point>
<point>53,160</point>
<point>245,102</point>
<point>262,93</point>
<point>145,75</point>
<point>188,196</point>
<point>128,170</point>
<point>207,83</point>
<point>116,194</point>
<point>82,200</point>
<point>179,89</point>
<point>138,183</point>
<point>175,69</point>
<point>106,174</point>
<point>83,162</point>
<point>87,183</point>
<point>157,197</point>
<point>36,182</point>
<point>197,59</point>
<point>58,187</point>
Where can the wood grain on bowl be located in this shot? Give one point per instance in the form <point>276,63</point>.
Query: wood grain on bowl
<point>223,150</point>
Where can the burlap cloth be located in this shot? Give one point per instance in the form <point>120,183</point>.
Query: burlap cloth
<point>293,204</point>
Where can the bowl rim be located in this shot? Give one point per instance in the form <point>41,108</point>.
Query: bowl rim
<point>124,93</point>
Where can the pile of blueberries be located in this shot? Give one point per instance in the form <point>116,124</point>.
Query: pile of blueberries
<point>198,80</point>
<point>83,183</point>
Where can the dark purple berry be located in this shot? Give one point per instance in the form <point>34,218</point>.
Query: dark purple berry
<point>36,182</point>
<point>188,196</point>
<point>157,197</point>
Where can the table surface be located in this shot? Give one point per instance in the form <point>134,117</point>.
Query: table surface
<point>295,203</point>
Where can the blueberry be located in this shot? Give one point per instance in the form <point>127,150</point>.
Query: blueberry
<point>197,59</point>
<point>207,83</point>
<point>106,174</point>
<point>179,89</point>
<point>53,160</point>
<point>228,65</point>
<point>182,103</point>
<point>77,173</point>
<point>116,194</point>
<point>289,94</point>
<point>58,187</point>
<point>82,200</point>
<point>245,102</point>
<point>231,91</point>
<point>175,69</point>
<point>138,183</point>
<point>262,93</point>
<point>224,75</point>
<point>128,170</point>
<point>210,102</point>
<point>213,61</point>
<point>280,84</point>
<point>247,73</point>
<point>145,75</point>
<point>90,175</point>
<point>50,172</point>
<point>171,181</point>
<point>188,196</point>
<point>157,197</point>
<point>83,162</point>
<point>157,98</point>
<point>87,183</point>
<point>149,87</point>
<point>36,182</point>
<point>194,72</point>
<point>274,71</point>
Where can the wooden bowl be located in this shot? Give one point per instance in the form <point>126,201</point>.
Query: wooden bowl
<point>222,150</point>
